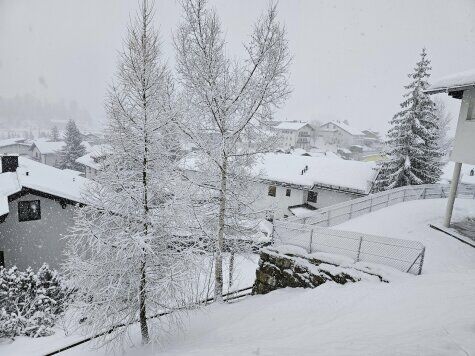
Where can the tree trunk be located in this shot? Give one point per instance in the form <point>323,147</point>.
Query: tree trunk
<point>218,264</point>
<point>143,312</point>
<point>231,271</point>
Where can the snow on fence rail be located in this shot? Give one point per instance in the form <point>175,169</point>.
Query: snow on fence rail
<point>339,213</point>
<point>404,255</point>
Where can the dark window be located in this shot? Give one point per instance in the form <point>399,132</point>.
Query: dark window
<point>287,192</point>
<point>29,210</point>
<point>312,197</point>
<point>2,259</point>
<point>272,190</point>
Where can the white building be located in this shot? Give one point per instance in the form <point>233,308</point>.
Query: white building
<point>18,146</point>
<point>46,152</point>
<point>460,86</point>
<point>341,134</point>
<point>36,210</point>
<point>294,134</point>
<point>92,160</point>
<point>292,184</point>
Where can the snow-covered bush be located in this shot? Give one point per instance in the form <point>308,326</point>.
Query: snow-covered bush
<point>30,302</point>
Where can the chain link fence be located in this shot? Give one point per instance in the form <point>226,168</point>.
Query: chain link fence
<point>339,213</point>
<point>404,255</point>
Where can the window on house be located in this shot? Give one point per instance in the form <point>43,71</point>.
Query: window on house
<point>312,196</point>
<point>2,259</point>
<point>287,192</point>
<point>29,210</point>
<point>272,190</point>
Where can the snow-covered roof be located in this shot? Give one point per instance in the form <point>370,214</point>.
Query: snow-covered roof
<point>94,152</point>
<point>354,175</point>
<point>350,129</point>
<point>46,147</point>
<point>13,141</point>
<point>41,177</point>
<point>8,185</point>
<point>453,83</point>
<point>287,168</point>
<point>291,125</point>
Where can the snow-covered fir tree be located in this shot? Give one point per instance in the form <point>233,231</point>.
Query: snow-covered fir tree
<point>227,107</point>
<point>412,146</point>
<point>126,256</point>
<point>54,134</point>
<point>445,141</point>
<point>73,149</point>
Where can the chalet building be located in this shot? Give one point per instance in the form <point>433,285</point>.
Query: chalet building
<point>36,210</point>
<point>17,146</point>
<point>294,134</point>
<point>459,86</point>
<point>341,134</point>
<point>290,184</point>
<point>309,183</point>
<point>46,152</point>
<point>91,161</point>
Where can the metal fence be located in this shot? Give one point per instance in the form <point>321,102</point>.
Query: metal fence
<point>404,255</point>
<point>339,213</point>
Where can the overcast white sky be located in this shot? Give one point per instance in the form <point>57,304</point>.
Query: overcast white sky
<point>351,57</point>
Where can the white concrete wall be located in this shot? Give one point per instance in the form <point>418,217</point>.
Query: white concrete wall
<point>31,243</point>
<point>464,145</point>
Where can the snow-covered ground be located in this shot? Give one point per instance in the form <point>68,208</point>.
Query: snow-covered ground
<point>431,314</point>
<point>411,221</point>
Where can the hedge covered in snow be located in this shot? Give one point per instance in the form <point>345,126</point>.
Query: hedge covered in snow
<point>30,302</point>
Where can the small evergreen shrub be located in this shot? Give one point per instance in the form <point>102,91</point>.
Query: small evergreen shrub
<point>30,302</point>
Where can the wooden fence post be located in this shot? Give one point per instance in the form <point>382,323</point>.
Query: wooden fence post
<point>328,217</point>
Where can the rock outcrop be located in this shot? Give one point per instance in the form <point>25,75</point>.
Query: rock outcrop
<point>285,266</point>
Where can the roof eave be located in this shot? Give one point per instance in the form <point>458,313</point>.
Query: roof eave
<point>454,91</point>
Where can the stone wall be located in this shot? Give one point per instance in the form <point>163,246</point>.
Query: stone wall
<point>289,267</point>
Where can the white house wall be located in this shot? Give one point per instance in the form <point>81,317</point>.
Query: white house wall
<point>464,145</point>
<point>329,197</point>
<point>280,203</point>
<point>15,149</point>
<point>31,243</point>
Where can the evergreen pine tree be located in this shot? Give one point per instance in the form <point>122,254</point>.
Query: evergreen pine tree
<point>412,146</point>
<point>73,148</point>
<point>54,135</point>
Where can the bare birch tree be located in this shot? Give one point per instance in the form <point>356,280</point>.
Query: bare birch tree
<point>228,104</point>
<point>126,258</point>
